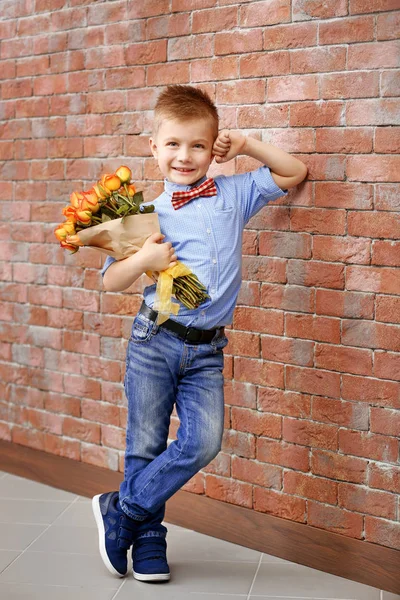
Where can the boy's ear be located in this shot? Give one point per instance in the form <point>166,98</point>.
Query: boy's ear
<point>153,147</point>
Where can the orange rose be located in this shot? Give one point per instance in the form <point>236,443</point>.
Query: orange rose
<point>70,213</point>
<point>60,233</point>
<point>100,193</point>
<point>131,189</point>
<point>89,201</point>
<point>124,173</point>
<point>74,199</point>
<point>110,182</point>
<point>69,227</point>
<point>70,247</point>
<point>84,217</point>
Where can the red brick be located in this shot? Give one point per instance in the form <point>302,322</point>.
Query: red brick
<point>15,48</point>
<point>100,412</point>
<point>283,244</point>
<point>309,9</point>
<point>385,421</point>
<point>373,391</point>
<point>113,437</point>
<point>324,166</point>
<point>343,195</point>
<point>82,430</point>
<point>240,394</point>
<point>313,381</point>
<point>293,35</point>
<point>215,19</point>
<point>236,42</point>
<point>386,253</point>
<point>307,433</point>
<point>265,64</point>
<point>256,422</point>
<point>282,453</point>
<point>375,168</point>
<point>339,466</point>
<point>388,26</point>
<point>387,139</point>
<point>344,304</point>
<point>104,102</point>
<point>293,87</point>
<point>387,196</point>
<point>310,327</point>
<point>382,532</point>
<point>168,26</point>
<point>145,53</point>
<point>68,18</point>
<point>105,13</point>
<point>147,8</point>
<point>287,297</point>
<point>384,477</point>
<point>238,443</point>
<point>244,344</point>
<point>294,140</point>
<point>373,279</point>
<point>359,6</point>
<point>373,112</point>
<point>318,220</point>
<point>249,294</point>
<point>257,116</point>
<point>368,445</point>
<point>259,372</point>
<point>100,457</point>
<point>344,140</point>
<point>390,83</point>
<point>328,114</point>
<point>259,320</point>
<point>256,473</point>
<point>374,55</point>
<point>341,249</point>
<point>350,85</point>
<point>372,335</point>
<point>280,505</point>
<point>345,31</point>
<point>84,343</point>
<point>168,73</point>
<point>387,309</point>
<point>181,5</point>
<point>346,414</point>
<point>348,360</point>
<point>297,352</point>
<point>265,13</point>
<point>241,92</point>
<point>335,519</point>
<point>226,490</point>
<point>264,269</point>
<point>311,487</point>
<point>284,403</point>
<point>318,274</point>
<point>183,48</point>
<point>314,60</point>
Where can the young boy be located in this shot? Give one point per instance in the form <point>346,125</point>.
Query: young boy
<point>181,361</point>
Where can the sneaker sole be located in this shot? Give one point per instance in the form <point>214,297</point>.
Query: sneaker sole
<point>102,544</point>
<point>152,576</point>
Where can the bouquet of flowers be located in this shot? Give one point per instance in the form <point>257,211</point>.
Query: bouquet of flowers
<point>110,217</point>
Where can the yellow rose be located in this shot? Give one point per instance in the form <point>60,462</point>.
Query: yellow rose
<point>110,182</point>
<point>124,173</point>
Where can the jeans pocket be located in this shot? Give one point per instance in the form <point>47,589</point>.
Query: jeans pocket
<point>220,343</point>
<point>142,329</point>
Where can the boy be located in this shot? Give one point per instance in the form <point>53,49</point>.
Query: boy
<point>181,361</point>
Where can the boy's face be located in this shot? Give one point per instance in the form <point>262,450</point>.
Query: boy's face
<point>183,149</point>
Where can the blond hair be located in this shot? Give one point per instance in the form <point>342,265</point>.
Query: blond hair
<point>184,103</point>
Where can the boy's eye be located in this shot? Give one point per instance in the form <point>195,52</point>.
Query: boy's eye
<point>172,144</point>
<point>199,146</point>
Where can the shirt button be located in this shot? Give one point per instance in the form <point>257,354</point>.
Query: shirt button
<point>203,312</point>
<point>213,291</point>
<point>214,261</point>
<point>208,230</point>
<point>198,205</point>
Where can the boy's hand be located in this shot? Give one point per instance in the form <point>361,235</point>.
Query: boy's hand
<point>157,256</point>
<point>228,145</point>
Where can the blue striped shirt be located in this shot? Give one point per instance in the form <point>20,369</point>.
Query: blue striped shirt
<point>206,234</point>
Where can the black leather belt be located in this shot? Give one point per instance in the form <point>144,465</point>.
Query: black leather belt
<point>189,334</point>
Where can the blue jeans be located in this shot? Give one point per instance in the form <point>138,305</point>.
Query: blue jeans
<point>161,370</point>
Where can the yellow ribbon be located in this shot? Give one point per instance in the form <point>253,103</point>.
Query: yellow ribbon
<point>163,303</point>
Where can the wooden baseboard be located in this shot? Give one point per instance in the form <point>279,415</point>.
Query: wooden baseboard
<point>356,560</point>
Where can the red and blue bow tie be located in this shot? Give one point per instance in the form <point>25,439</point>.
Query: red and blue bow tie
<point>207,188</point>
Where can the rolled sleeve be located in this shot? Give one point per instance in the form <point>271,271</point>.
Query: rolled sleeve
<point>109,260</point>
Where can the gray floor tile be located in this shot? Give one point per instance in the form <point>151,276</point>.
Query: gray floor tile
<point>42,568</point>
<point>137,590</point>
<point>389,596</point>
<point>6,558</point>
<point>15,536</point>
<point>30,511</point>
<point>192,546</point>
<point>73,540</point>
<point>17,591</point>
<point>12,486</point>
<point>78,514</point>
<point>197,577</point>
<point>277,580</point>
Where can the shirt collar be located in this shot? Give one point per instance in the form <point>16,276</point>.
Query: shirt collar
<point>170,187</point>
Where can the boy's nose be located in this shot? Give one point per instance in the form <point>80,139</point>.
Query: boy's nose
<point>183,154</point>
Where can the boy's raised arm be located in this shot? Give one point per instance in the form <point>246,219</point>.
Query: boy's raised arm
<point>286,170</point>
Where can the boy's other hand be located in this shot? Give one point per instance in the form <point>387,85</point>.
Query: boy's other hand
<point>228,145</point>
<point>157,256</point>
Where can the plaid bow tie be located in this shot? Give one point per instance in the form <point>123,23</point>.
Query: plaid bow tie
<point>207,188</point>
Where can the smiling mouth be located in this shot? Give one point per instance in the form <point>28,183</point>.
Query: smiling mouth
<point>183,170</point>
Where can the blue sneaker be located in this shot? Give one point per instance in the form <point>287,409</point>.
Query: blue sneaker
<point>116,532</point>
<point>149,558</point>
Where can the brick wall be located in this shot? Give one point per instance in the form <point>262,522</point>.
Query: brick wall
<point>313,366</point>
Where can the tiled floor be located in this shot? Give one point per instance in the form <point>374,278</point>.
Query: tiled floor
<point>48,551</point>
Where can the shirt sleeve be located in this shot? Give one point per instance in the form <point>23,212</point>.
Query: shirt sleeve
<point>109,260</point>
<point>254,190</point>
